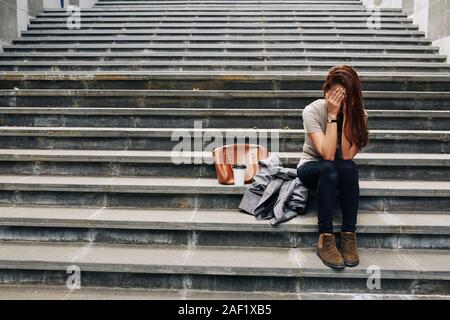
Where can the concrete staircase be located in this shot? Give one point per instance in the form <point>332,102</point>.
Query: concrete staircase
<point>87,176</point>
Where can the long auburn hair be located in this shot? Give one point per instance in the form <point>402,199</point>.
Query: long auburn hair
<point>356,127</point>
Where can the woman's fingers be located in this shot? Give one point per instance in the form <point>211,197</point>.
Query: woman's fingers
<point>338,104</point>
<point>332,97</point>
<point>334,94</point>
<point>341,95</point>
<point>335,97</point>
<point>338,98</point>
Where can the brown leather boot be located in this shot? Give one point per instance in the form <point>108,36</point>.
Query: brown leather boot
<point>327,251</point>
<point>349,249</point>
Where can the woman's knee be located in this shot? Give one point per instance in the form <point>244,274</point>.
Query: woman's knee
<point>348,168</point>
<point>329,170</point>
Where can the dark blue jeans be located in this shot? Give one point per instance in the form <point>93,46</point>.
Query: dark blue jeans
<point>327,177</point>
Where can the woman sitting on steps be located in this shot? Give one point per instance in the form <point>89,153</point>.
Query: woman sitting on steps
<point>327,164</point>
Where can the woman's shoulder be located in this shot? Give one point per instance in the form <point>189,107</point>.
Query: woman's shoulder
<point>316,104</point>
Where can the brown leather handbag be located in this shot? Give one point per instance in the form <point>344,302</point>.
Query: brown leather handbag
<point>226,156</point>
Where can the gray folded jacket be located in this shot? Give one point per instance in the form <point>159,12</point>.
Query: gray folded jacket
<point>276,192</point>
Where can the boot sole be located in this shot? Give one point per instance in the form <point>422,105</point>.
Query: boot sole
<point>333,266</point>
<point>351,263</point>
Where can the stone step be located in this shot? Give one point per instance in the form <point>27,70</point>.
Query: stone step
<point>289,4</point>
<point>216,15</point>
<point>179,2</point>
<point>140,2</point>
<point>213,47</point>
<point>47,292</point>
<point>273,7</point>
<point>240,11</point>
<point>102,4</point>
<point>228,40</point>
<point>223,32</point>
<point>372,166</point>
<point>335,17</point>
<point>227,7</point>
<point>211,268</point>
<point>376,230</point>
<point>262,7</point>
<point>211,99</point>
<point>182,139</point>
<point>242,56</point>
<point>225,80</point>
<point>199,64</point>
<point>211,118</point>
<point>304,25</point>
<point>200,193</point>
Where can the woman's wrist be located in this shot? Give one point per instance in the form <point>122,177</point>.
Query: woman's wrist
<point>332,116</point>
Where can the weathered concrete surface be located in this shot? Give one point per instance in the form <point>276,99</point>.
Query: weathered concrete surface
<point>439,25</point>
<point>170,219</point>
<point>432,17</point>
<point>199,185</point>
<point>395,264</point>
<point>376,229</point>
<point>35,7</point>
<point>42,292</point>
<point>8,21</point>
<point>56,4</point>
